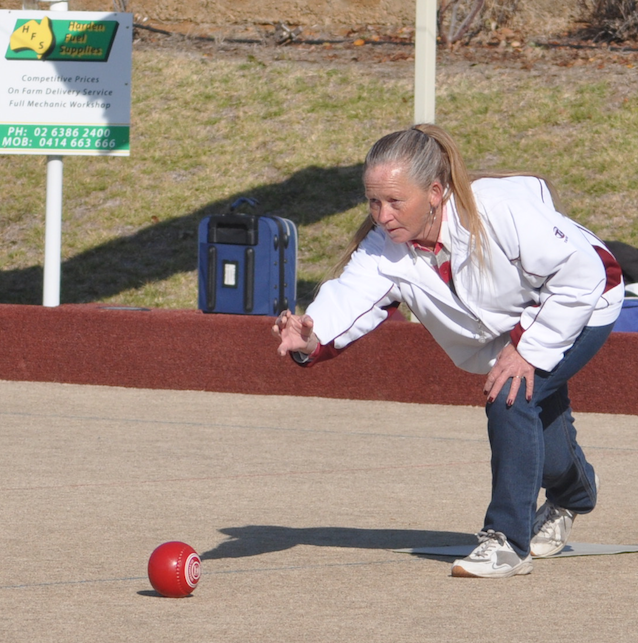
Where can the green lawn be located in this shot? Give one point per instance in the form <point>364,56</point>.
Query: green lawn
<point>207,130</point>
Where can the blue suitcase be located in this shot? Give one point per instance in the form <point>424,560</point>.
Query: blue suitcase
<point>627,322</point>
<point>247,263</point>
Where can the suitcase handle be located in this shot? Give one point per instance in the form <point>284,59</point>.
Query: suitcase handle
<point>285,236</point>
<point>239,229</point>
<point>253,203</point>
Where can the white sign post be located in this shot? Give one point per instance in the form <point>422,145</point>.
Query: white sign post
<point>65,88</point>
<point>53,221</point>
<point>425,62</point>
<point>53,233</point>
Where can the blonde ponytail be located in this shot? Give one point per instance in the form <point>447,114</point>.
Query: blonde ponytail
<point>459,184</point>
<point>428,153</point>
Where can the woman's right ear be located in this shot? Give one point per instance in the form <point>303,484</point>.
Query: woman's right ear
<point>436,194</point>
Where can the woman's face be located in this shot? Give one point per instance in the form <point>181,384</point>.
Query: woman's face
<point>400,206</point>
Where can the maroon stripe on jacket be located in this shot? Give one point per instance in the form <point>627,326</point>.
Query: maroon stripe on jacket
<point>613,274</point>
<point>612,268</point>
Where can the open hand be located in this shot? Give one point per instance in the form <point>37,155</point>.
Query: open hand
<point>295,333</point>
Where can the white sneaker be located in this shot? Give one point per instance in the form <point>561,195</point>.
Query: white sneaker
<point>551,528</point>
<point>493,558</point>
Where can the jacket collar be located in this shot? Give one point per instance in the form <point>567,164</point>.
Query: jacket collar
<point>399,260</point>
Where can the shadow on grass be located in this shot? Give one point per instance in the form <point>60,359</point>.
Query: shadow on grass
<point>167,248</point>
<point>254,540</point>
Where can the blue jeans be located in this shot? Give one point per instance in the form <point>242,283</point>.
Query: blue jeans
<point>534,445</point>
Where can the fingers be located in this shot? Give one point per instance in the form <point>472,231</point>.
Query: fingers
<point>307,324</point>
<point>510,366</point>
<point>529,387</point>
<point>294,333</point>
<point>281,322</point>
<point>493,388</point>
<point>514,386</point>
<point>277,331</point>
<point>282,319</point>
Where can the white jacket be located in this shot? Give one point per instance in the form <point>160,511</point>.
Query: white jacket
<point>543,277</point>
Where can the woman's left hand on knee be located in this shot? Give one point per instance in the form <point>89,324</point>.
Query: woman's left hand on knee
<point>509,364</point>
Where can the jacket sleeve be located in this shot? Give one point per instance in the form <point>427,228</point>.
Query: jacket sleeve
<point>348,307</point>
<point>560,265</point>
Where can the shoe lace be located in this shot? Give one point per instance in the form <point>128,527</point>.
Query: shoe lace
<point>544,520</point>
<point>488,541</point>
<point>548,511</point>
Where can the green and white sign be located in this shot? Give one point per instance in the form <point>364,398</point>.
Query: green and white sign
<point>65,82</point>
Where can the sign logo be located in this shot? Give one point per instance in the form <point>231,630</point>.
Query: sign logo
<point>76,40</point>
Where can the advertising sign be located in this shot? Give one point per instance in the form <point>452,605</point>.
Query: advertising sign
<point>65,82</point>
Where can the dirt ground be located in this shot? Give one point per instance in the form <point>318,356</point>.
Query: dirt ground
<point>544,14</point>
<point>542,34</point>
<point>385,45</point>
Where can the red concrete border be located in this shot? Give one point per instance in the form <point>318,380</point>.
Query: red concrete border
<point>189,350</point>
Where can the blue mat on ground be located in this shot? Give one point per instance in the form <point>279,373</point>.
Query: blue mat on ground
<point>571,549</point>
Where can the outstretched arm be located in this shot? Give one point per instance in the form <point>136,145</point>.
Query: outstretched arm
<point>295,333</point>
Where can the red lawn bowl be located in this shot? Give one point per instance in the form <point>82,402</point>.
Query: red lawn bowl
<point>174,569</point>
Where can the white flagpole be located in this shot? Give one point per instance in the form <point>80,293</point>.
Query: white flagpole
<point>425,62</point>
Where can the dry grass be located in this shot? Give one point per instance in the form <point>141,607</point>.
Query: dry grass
<point>207,129</point>
<point>540,17</point>
<point>575,126</point>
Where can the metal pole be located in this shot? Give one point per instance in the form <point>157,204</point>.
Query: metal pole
<point>53,227</point>
<point>54,5</point>
<point>425,62</point>
<point>53,232</point>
